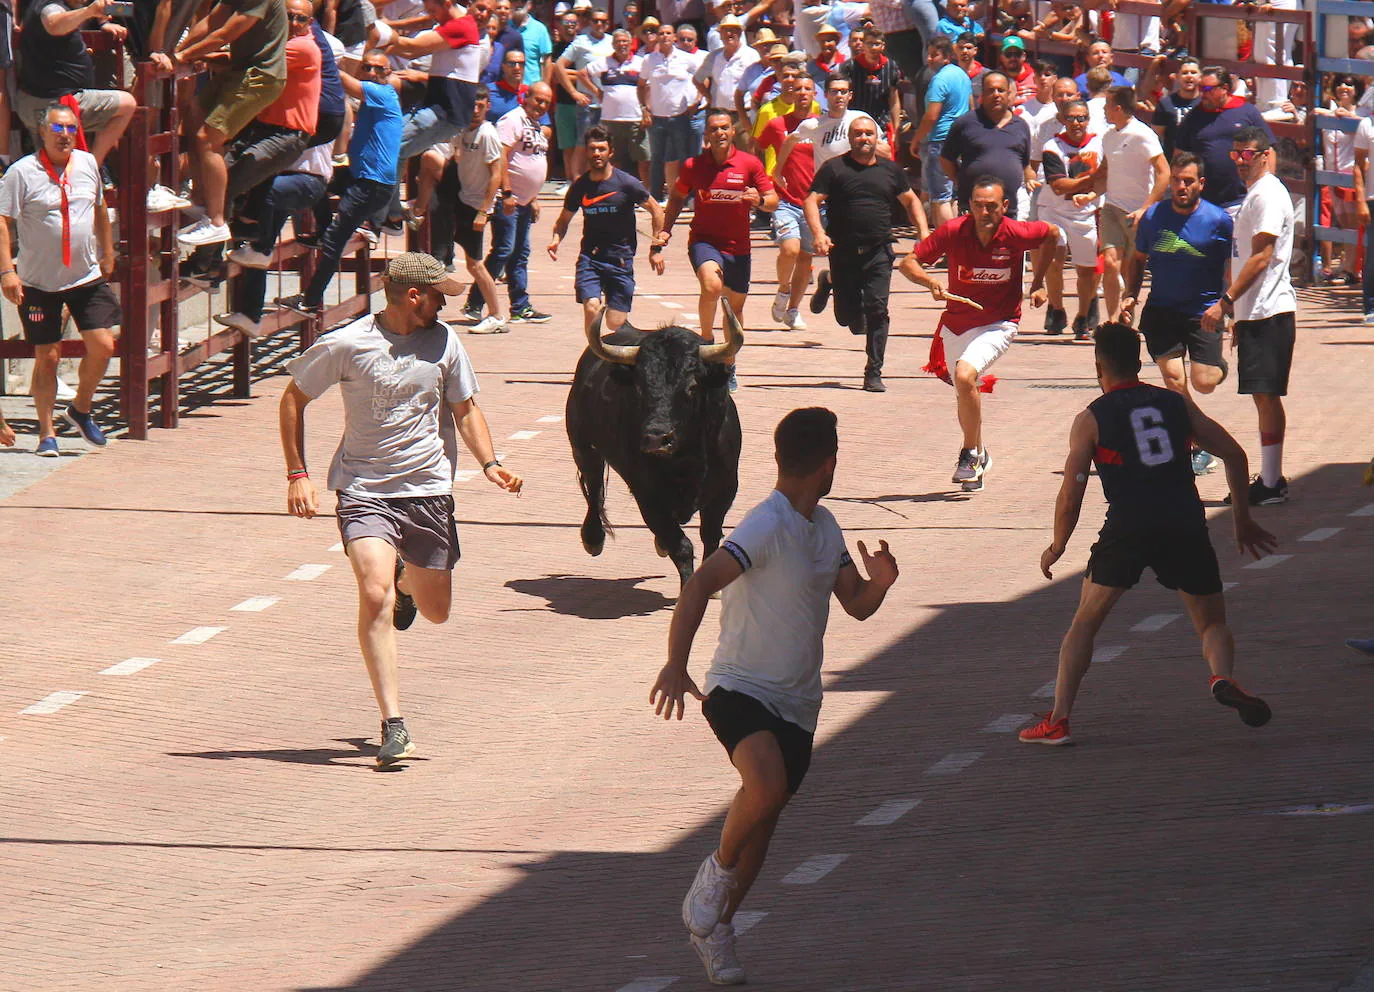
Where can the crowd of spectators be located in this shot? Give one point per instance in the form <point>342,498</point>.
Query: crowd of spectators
<point>295,101</point>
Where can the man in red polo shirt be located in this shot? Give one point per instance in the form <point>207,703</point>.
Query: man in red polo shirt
<point>986,253</point>
<point>727,185</point>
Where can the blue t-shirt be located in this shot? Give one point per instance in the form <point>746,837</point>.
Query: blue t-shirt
<point>608,212</point>
<point>538,47</point>
<point>1187,255</point>
<point>1081,81</point>
<point>953,29</point>
<point>376,142</point>
<point>953,90</point>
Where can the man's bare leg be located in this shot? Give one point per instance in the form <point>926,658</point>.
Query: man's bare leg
<point>100,348</point>
<point>431,588</point>
<point>486,285</point>
<point>1208,614</point>
<point>1076,650</point>
<point>43,386</point>
<point>712,287</point>
<point>970,405</point>
<point>374,567</point>
<point>753,814</point>
<point>801,280</point>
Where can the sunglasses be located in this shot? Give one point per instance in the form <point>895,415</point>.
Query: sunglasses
<point>1246,154</point>
<point>1077,119</point>
<point>299,18</point>
<point>372,67</point>
<point>512,62</point>
<point>1208,89</point>
<point>63,128</point>
<point>601,20</point>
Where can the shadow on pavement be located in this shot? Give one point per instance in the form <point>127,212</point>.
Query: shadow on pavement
<point>359,748</point>
<point>593,598</point>
<point>1140,859</point>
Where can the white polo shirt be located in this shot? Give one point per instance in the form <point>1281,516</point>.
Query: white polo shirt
<point>1266,209</point>
<point>1128,153</point>
<point>671,78</point>
<point>773,618</point>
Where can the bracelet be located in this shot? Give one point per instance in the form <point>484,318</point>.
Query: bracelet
<point>292,474</point>
<point>490,464</point>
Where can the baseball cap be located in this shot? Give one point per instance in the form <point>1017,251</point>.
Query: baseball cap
<point>417,268</point>
<point>1012,41</point>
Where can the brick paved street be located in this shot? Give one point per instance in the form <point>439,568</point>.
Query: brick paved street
<point>213,820</point>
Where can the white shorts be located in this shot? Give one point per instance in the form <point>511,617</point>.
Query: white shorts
<point>978,346</point>
<point>1081,233</point>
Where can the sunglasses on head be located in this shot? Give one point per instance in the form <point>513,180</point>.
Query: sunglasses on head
<point>63,128</point>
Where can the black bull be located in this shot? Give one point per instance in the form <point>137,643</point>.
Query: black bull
<point>655,407</point>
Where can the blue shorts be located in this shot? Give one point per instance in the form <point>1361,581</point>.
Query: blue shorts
<point>607,278</point>
<point>939,186</point>
<point>790,222</point>
<point>734,269</point>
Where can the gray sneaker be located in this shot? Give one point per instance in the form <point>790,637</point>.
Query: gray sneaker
<point>717,953</point>
<point>396,743</point>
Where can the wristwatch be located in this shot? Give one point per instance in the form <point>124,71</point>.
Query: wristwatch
<point>1226,301</point>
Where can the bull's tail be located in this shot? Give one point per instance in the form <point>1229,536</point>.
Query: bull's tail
<point>600,497</point>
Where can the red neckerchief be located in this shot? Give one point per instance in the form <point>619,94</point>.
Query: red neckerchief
<point>520,92</point>
<point>1233,103</point>
<point>836,58</point>
<point>1127,384</point>
<point>1064,137</point>
<point>62,185</point>
<point>863,61</point>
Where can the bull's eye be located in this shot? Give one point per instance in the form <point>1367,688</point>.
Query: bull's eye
<point>691,387</point>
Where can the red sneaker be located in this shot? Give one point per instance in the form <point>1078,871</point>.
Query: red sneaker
<point>1047,731</point>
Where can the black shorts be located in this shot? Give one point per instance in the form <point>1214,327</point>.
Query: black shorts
<point>93,307</point>
<point>420,528</point>
<point>464,236</point>
<point>1172,332</point>
<point>1181,558</point>
<point>1266,354</point>
<point>733,716</point>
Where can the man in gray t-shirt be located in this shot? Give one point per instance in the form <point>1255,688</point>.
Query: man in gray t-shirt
<point>408,391</point>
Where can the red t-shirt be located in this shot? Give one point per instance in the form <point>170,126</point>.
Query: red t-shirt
<point>800,168</point>
<point>721,218</point>
<point>989,275</point>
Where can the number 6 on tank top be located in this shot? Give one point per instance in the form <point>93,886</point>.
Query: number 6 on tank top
<point>1151,438</point>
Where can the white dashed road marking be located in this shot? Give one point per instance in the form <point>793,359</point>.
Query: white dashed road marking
<point>1109,653</point>
<point>51,703</point>
<point>256,604</point>
<point>649,984</point>
<point>1269,562</point>
<point>199,635</point>
<point>130,665</point>
<point>465,475</point>
<point>954,762</point>
<point>308,573</point>
<point>1046,691</point>
<point>1364,511</point>
<point>889,812</point>
<point>1321,534</point>
<point>1007,723</point>
<point>336,546</point>
<point>813,869</point>
<point>553,418</point>
<point>523,435</point>
<point>670,304</point>
<point>747,919</point>
<point>1153,623</point>
<point>1228,586</point>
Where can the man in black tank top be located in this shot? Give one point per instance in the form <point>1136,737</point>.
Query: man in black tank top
<point>1139,436</point>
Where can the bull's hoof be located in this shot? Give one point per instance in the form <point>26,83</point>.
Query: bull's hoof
<point>659,548</point>
<point>593,546</point>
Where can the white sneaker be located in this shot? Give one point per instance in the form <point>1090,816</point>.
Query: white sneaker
<point>794,320</point>
<point>370,236</point>
<point>203,232</point>
<point>161,198</point>
<point>706,898</point>
<point>1369,318</point>
<point>240,321</point>
<point>779,312</point>
<point>717,952</point>
<point>65,393</point>
<point>489,325</point>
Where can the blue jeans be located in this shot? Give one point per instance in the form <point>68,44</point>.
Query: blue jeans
<point>420,129</point>
<point>285,195</point>
<point>509,252</point>
<point>362,199</point>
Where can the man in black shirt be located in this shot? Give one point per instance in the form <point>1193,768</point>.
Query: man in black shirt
<point>989,141</point>
<point>607,197</point>
<point>1138,437</point>
<point>1175,106</point>
<point>866,196</point>
<point>54,65</point>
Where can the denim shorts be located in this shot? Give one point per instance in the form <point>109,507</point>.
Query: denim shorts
<point>606,278</point>
<point>790,222</point>
<point>939,186</point>
<point>734,269</point>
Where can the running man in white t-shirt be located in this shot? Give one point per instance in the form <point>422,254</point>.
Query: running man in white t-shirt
<point>406,384</point>
<point>778,570</point>
<point>1261,301</point>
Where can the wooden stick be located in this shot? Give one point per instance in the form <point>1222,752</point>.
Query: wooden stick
<point>963,299</point>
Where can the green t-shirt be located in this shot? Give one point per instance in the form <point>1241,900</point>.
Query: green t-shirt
<point>263,46</point>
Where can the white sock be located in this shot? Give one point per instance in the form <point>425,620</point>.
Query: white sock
<point>1271,464</point>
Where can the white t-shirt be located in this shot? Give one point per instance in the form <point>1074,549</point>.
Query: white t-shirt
<point>398,440</point>
<point>34,202</point>
<point>1364,140</point>
<point>671,86</point>
<point>1130,177</point>
<point>772,620</point>
<point>829,137</point>
<point>529,162</point>
<point>479,149</point>
<point>724,73</point>
<point>619,83</point>
<point>1266,209</point>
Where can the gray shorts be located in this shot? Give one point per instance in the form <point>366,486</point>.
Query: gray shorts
<point>420,528</point>
<point>98,108</point>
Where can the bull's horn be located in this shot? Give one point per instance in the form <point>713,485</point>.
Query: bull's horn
<point>734,339</point>
<point>620,354</point>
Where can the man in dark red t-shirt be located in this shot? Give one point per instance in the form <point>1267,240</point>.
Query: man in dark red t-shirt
<point>727,185</point>
<point>986,253</point>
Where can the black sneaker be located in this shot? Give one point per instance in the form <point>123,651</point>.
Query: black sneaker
<point>528,315</point>
<point>1262,495</point>
<point>1093,314</point>
<point>873,383</point>
<point>822,294</point>
<point>1254,712</point>
<point>1056,320</point>
<point>1080,329</point>
<point>967,469</point>
<point>396,742</point>
<point>297,304</point>
<point>403,612</point>
<point>309,240</point>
